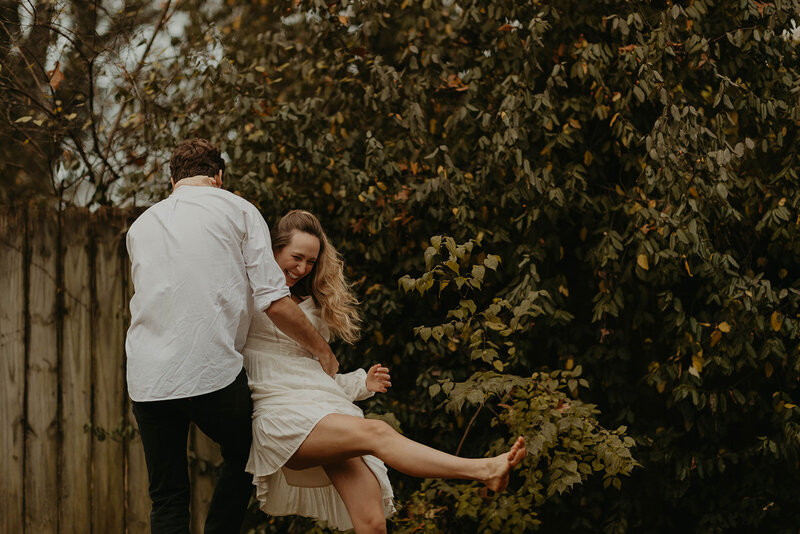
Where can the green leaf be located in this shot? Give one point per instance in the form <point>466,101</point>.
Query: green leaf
<point>492,261</point>
<point>425,333</point>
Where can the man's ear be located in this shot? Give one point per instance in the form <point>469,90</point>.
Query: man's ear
<point>218,178</point>
<point>173,183</point>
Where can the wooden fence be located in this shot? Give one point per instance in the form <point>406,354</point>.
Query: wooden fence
<point>71,458</point>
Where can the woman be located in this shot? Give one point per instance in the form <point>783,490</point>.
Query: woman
<point>313,452</point>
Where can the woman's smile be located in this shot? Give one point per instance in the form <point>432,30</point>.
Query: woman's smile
<point>298,257</point>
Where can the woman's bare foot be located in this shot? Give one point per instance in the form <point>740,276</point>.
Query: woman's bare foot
<point>500,465</point>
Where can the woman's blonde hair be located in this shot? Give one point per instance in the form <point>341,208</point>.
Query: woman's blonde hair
<point>326,282</point>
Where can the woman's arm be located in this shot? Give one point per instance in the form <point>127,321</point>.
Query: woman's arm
<point>354,385</point>
<point>361,384</point>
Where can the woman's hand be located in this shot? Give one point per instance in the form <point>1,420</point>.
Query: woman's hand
<point>378,379</point>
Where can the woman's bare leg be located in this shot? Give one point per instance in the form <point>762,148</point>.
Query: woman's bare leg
<point>339,437</point>
<point>361,493</point>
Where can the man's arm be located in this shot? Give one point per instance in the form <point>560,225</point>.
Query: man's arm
<point>288,316</point>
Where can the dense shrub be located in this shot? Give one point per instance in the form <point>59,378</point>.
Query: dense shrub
<point>634,167</point>
<point>627,174</point>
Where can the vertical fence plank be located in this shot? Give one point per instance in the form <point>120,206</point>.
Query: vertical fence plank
<point>75,509</point>
<point>204,458</point>
<point>41,445</point>
<point>12,368</point>
<point>108,380</point>
<point>137,499</point>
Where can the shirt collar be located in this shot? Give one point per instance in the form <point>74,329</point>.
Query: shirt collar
<point>203,181</point>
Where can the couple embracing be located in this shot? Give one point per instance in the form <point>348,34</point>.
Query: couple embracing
<point>229,329</point>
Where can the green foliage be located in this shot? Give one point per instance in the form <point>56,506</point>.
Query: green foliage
<point>632,169</point>
<point>565,442</point>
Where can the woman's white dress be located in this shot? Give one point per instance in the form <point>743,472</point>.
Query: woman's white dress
<point>291,393</point>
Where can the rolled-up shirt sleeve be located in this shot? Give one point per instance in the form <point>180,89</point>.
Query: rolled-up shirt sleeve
<point>267,281</point>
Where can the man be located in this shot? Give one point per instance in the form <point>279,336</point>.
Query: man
<point>198,260</point>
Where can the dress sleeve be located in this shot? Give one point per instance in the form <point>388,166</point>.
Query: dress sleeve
<point>354,385</point>
<point>267,281</point>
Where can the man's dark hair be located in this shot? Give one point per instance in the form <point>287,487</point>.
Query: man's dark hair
<point>195,157</point>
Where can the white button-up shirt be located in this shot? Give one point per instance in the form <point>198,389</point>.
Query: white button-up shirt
<point>197,257</point>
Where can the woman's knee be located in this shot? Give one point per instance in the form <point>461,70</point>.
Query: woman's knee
<point>376,431</point>
<point>374,523</point>
<point>376,427</point>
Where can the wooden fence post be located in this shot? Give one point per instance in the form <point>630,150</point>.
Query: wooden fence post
<point>41,395</point>
<point>12,367</point>
<point>75,511</point>
<point>108,375</point>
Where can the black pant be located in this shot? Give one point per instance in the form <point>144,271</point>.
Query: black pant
<point>225,417</point>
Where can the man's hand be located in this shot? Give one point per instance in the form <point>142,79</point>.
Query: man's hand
<point>378,379</point>
<point>288,316</point>
<point>329,363</point>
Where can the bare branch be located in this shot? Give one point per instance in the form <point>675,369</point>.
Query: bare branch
<point>9,26</point>
<point>40,38</point>
<point>132,77</point>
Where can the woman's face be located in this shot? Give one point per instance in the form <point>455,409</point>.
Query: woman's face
<point>298,257</point>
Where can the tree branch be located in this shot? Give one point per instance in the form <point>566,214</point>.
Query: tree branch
<point>132,77</point>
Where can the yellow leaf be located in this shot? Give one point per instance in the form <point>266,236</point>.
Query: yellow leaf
<point>697,362</point>
<point>776,320</point>
<point>641,261</point>
<point>789,405</point>
<point>688,270</point>
<point>724,327</point>
<point>660,387</point>
<point>570,364</point>
<point>716,335</point>
<point>327,188</point>
<point>55,76</point>
<point>587,158</point>
<point>768,369</point>
<point>497,364</point>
